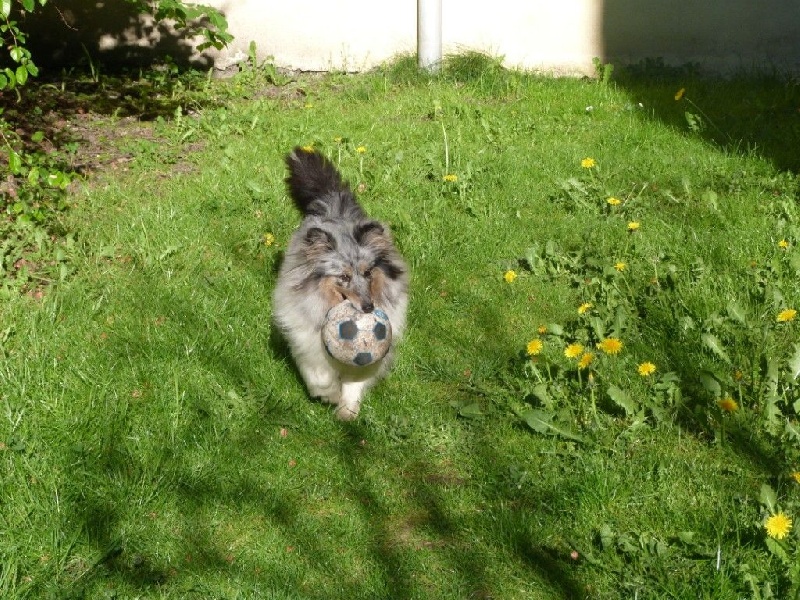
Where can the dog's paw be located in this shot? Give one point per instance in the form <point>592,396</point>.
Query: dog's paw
<point>331,397</point>
<point>330,393</point>
<point>346,413</point>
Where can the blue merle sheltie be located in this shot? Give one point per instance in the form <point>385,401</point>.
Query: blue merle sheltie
<point>338,253</point>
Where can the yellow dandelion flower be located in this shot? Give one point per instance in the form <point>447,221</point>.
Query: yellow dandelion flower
<point>361,149</point>
<point>542,329</point>
<point>510,276</point>
<point>534,347</point>
<point>308,105</point>
<point>584,308</point>
<point>610,346</point>
<point>308,148</point>
<point>573,350</point>
<point>784,244</point>
<point>614,201</point>
<point>679,94</point>
<point>728,404</point>
<point>646,369</point>
<point>586,360</point>
<point>269,239</point>
<point>621,266</point>
<point>634,226</point>
<point>338,139</point>
<point>588,163</point>
<point>786,315</point>
<point>796,476</point>
<point>450,178</point>
<point>778,526</point>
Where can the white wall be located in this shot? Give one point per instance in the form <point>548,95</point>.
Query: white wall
<point>561,36</point>
<point>551,35</point>
<point>319,35</point>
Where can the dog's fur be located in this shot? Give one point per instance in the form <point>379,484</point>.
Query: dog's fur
<point>337,253</point>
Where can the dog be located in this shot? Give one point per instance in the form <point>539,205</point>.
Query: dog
<point>337,253</point>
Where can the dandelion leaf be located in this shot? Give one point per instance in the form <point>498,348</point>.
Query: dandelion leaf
<point>620,321</point>
<point>622,399</point>
<point>467,409</point>
<point>794,364</point>
<point>767,497</point>
<point>778,551</point>
<point>686,537</point>
<point>668,379</point>
<point>627,544</point>
<point>542,395</point>
<point>771,370</point>
<point>687,324</point>
<point>792,431</point>
<point>598,327</point>
<point>772,413</point>
<point>533,260</point>
<point>257,190</point>
<point>710,383</point>
<point>777,296</point>
<point>471,411</point>
<point>710,197</point>
<point>542,422</point>
<point>736,312</point>
<point>607,537</point>
<point>712,343</point>
<point>794,260</point>
<point>695,122</point>
<point>555,329</point>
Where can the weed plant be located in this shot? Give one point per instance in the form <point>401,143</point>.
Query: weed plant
<point>597,396</point>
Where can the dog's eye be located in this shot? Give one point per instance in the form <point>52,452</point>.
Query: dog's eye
<point>344,278</point>
<point>368,274</point>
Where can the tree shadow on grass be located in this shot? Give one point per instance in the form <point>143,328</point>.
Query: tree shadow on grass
<point>402,501</point>
<point>471,543</point>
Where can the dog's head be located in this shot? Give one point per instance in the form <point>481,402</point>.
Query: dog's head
<point>354,261</point>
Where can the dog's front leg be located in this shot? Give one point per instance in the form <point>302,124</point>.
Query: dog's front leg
<point>322,382</point>
<point>352,393</point>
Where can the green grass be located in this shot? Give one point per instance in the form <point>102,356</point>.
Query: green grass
<point>157,442</point>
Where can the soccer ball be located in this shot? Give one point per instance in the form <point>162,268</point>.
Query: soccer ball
<point>356,338</point>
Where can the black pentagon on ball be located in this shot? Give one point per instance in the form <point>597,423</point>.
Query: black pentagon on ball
<point>348,330</point>
<point>380,331</point>
<point>362,359</point>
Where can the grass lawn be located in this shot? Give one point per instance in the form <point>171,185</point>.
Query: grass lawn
<point>597,396</point>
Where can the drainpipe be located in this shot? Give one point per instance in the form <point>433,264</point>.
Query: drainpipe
<point>429,34</point>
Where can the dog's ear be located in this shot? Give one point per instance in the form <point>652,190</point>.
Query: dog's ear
<point>320,239</point>
<point>364,233</point>
<point>389,266</point>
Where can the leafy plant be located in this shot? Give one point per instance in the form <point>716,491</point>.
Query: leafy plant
<point>32,198</point>
<point>603,71</point>
<point>193,19</point>
<point>15,41</point>
<point>253,72</point>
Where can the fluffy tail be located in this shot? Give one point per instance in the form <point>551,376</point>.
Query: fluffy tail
<point>316,187</point>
